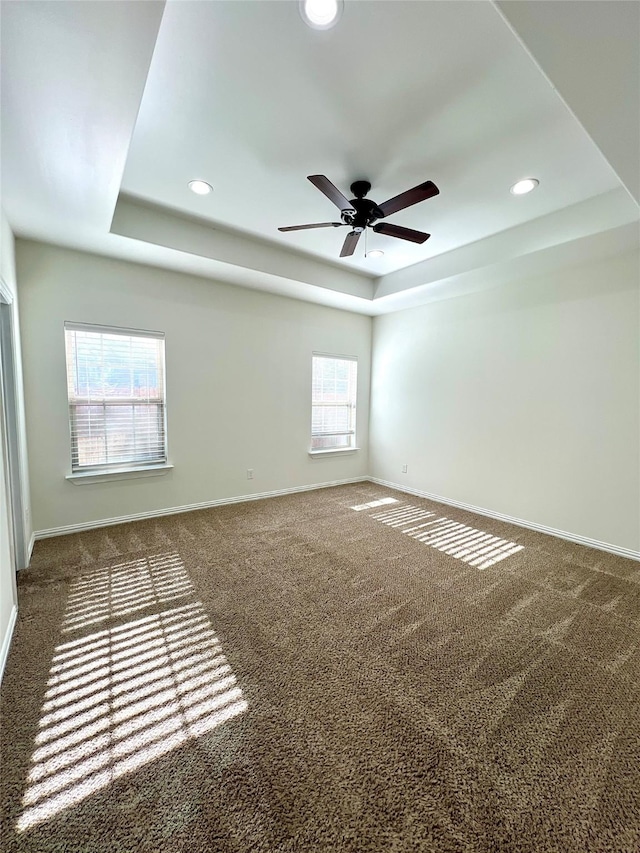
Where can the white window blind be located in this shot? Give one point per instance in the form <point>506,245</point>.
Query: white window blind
<point>116,387</point>
<point>333,409</point>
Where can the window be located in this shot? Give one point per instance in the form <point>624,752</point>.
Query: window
<point>115,380</point>
<point>333,409</point>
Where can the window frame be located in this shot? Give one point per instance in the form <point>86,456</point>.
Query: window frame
<point>353,447</point>
<point>115,470</point>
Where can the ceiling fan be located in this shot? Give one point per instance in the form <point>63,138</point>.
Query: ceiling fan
<point>361,212</point>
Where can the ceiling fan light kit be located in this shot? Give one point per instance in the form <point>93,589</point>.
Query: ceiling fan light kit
<point>360,213</point>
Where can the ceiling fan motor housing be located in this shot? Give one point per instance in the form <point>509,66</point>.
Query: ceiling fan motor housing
<point>365,212</point>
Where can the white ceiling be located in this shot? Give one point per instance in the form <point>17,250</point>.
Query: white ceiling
<point>125,100</point>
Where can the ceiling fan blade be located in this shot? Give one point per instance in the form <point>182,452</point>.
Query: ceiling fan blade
<point>403,233</point>
<point>420,193</point>
<point>350,243</point>
<point>332,193</point>
<point>315,225</point>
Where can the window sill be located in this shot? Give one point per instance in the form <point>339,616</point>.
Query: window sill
<point>334,452</point>
<point>82,478</point>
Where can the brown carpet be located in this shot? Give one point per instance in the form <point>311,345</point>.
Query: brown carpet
<point>298,675</point>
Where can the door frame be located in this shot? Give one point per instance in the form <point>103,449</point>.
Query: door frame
<point>8,389</point>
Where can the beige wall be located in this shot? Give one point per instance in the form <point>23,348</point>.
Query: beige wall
<point>522,400</point>
<point>238,383</point>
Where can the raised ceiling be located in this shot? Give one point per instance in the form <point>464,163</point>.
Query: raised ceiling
<point>105,124</point>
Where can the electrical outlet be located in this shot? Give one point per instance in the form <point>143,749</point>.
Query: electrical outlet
<point>249,473</point>
<point>404,469</point>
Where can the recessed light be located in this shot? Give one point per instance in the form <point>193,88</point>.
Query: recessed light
<point>374,253</point>
<point>200,187</point>
<point>320,14</point>
<point>524,186</point>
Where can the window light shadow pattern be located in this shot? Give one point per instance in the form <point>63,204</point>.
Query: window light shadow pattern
<point>124,588</point>
<point>126,694</point>
<point>380,502</point>
<point>465,543</point>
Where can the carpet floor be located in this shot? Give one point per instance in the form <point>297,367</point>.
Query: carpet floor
<point>348,669</point>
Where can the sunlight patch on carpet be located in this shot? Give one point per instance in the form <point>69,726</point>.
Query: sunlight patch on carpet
<point>125,695</point>
<point>465,543</point>
<point>124,588</point>
<point>372,504</point>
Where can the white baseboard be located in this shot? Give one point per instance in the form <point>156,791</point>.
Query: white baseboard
<point>6,640</point>
<point>540,528</point>
<point>159,513</point>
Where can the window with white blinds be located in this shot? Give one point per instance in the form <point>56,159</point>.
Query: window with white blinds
<point>116,386</point>
<point>333,408</point>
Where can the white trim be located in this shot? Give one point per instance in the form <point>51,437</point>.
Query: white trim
<point>10,358</point>
<point>81,478</point>
<point>333,450</point>
<point>5,292</point>
<point>140,516</point>
<point>540,528</point>
<point>71,326</point>
<point>32,542</point>
<point>6,640</point>
<point>334,355</point>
